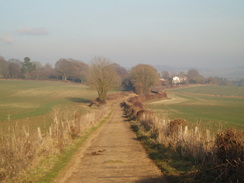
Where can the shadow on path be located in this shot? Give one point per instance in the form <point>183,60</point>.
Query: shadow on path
<point>78,100</point>
<point>152,180</point>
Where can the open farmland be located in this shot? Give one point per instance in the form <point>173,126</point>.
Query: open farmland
<point>33,101</point>
<point>208,106</point>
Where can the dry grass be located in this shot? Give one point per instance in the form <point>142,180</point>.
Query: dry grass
<point>222,154</point>
<point>24,150</point>
<point>227,163</point>
<point>176,135</point>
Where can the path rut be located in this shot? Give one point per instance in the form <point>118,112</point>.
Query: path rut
<point>112,154</point>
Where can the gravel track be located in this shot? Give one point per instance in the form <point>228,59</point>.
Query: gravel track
<point>111,154</point>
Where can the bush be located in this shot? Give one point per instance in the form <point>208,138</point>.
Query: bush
<point>226,164</point>
<point>175,125</point>
<point>139,105</point>
<point>219,158</point>
<point>230,152</point>
<point>230,145</point>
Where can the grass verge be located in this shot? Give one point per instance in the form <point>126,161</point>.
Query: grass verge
<point>212,112</point>
<point>62,160</point>
<point>170,162</point>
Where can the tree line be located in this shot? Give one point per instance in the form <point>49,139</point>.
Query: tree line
<point>64,69</point>
<point>102,74</point>
<point>194,77</point>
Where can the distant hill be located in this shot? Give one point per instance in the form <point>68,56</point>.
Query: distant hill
<point>234,73</point>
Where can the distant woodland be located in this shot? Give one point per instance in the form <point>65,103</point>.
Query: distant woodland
<point>77,71</point>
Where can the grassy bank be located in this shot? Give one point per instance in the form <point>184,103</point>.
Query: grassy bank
<point>187,153</point>
<point>26,156</point>
<point>61,161</point>
<point>208,106</point>
<point>170,162</point>
<point>31,102</point>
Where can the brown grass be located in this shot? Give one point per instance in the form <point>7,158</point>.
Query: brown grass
<point>23,150</point>
<point>227,164</point>
<point>220,158</point>
<point>134,106</point>
<point>230,145</point>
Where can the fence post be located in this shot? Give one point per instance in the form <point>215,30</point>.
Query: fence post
<point>39,133</point>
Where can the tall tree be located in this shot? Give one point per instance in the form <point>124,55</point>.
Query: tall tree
<point>63,67</point>
<point>143,77</point>
<point>71,69</point>
<point>165,74</point>
<point>122,72</point>
<point>79,70</point>
<point>194,77</point>
<point>48,72</point>
<point>14,68</point>
<point>3,68</point>
<point>241,82</point>
<point>102,76</point>
<point>27,67</point>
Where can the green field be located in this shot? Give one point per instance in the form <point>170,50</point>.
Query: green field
<point>33,101</point>
<point>209,106</point>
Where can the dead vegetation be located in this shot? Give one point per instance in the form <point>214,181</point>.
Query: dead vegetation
<point>219,158</point>
<point>23,150</point>
<point>227,163</point>
<point>112,97</point>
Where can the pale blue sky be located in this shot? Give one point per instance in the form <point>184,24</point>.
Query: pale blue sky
<point>197,33</point>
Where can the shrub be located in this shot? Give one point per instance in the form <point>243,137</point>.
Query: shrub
<point>230,145</point>
<point>138,104</point>
<point>219,158</point>
<point>175,126</point>
<point>230,152</point>
<point>134,99</point>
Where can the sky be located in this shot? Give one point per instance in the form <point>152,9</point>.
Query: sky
<point>184,33</point>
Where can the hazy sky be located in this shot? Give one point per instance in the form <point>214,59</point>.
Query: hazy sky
<point>198,33</point>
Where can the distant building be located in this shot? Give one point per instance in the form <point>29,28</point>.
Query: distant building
<point>178,80</point>
<point>163,82</point>
<point>162,79</point>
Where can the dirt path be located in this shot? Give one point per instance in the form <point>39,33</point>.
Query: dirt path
<point>111,155</point>
<point>172,100</point>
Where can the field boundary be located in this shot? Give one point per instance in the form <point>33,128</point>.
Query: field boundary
<point>205,94</point>
<point>66,160</point>
<point>210,107</point>
<point>213,158</point>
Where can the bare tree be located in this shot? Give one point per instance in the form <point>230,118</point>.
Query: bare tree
<point>3,68</point>
<point>14,68</point>
<point>79,70</point>
<point>165,74</point>
<point>143,77</point>
<point>102,77</point>
<point>71,69</point>
<point>48,71</point>
<point>122,72</point>
<point>194,77</point>
<point>63,67</point>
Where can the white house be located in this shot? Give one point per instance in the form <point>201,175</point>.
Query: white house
<point>176,80</point>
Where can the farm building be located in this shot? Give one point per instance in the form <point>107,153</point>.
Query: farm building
<point>178,80</point>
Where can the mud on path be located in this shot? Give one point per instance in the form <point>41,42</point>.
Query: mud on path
<point>111,154</point>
